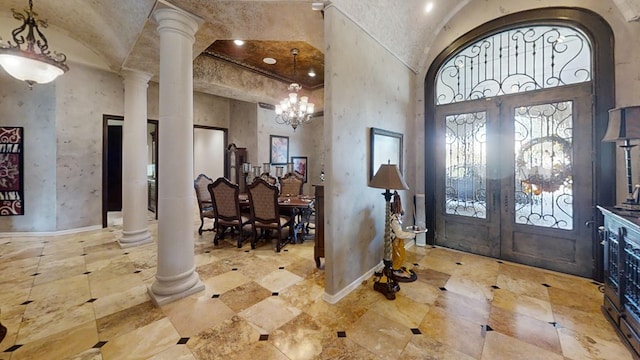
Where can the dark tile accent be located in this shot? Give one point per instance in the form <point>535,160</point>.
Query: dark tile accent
<point>234,269</point>
<point>274,294</point>
<point>416,264</point>
<point>35,274</point>
<point>85,254</point>
<point>91,300</point>
<point>546,285</point>
<point>264,337</point>
<point>13,348</point>
<point>99,344</point>
<point>45,242</point>
<point>499,262</point>
<point>281,268</point>
<point>126,253</point>
<point>287,250</point>
<point>246,251</point>
<point>342,334</point>
<point>26,302</point>
<point>207,251</point>
<point>486,328</point>
<point>458,263</point>
<point>41,255</point>
<point>137,271</point>
<point>183,341</point>
<point>87,272</point>
<point>215,296</point>
<point>81,241</point>
<point>416,331</point>
<point>495,287</point>
<point>443,289</point>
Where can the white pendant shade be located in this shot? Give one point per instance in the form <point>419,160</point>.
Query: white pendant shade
<point>29,70</point>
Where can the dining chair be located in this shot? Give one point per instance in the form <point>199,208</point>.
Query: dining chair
<point>203,198</point>
<point>226,204</point>
<point>265,213</point>
<point>291,185</point>
<point>269,179</point>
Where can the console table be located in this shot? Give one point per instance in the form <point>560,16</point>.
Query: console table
<point>621,240</point>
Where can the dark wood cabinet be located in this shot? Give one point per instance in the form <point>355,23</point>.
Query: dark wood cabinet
<point>235,158</point>
<point>621,240</point>
<point>318,248</point>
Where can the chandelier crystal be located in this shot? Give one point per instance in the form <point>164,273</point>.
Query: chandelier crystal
<point>34,63</point>
<point>292,110</point>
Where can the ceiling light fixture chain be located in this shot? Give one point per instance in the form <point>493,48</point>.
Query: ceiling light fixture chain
<point>291,110</point>
<point>30,64</point>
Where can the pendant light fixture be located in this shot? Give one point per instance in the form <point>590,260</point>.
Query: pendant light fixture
<point>28,58</point>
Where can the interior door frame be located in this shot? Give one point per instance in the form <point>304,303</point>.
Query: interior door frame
<point>603,77</point>
<point>105,154</point>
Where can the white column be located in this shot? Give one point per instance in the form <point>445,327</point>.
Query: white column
<point>135,230</point>
<point>176,276</point>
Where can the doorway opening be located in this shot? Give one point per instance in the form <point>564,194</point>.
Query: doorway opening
<point>112,169</point>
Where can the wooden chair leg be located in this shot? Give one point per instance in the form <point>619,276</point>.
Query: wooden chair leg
<point>254,240</point>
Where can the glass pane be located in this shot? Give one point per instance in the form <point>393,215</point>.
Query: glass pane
<point>515,61</point>
<point>543,171</point>
<point>466,164</point>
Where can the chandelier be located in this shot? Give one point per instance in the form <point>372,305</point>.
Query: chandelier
<point>34,63</point>
<point>291,110</point>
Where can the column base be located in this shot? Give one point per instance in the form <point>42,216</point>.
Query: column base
<point>168,289</point>
<point>160,300</point>
<point>135,238</point>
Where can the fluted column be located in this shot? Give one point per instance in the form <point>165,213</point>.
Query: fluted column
<point>135,229</point>
<point>176,276</point>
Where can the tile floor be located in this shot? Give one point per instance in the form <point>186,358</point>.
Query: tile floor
<point>83,297</point>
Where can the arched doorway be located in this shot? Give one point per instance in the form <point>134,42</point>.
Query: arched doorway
<point>512,121</point>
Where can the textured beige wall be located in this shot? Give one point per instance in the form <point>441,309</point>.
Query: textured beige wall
<point>34,110</point>
<point>366,86</point>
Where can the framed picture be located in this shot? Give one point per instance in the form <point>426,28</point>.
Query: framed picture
<point>384,147</point>
<point>300,165</point>
<point>11,163</point>
<point>279,150</point>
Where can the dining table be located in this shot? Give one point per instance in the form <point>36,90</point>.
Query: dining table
<point>299,207</point>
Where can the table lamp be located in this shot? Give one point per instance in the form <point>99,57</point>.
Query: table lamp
<point>624,125</point>
<point>387,177</point>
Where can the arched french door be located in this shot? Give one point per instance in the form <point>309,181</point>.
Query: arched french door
<point>515,130</point>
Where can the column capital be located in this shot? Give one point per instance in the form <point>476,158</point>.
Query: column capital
<point>135,75</point>
<point>175,19</point>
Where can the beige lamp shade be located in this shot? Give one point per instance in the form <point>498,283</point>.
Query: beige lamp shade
<point>624,124</point>
<point>388,177</point>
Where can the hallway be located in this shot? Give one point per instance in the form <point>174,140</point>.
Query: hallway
<point>82,297</point>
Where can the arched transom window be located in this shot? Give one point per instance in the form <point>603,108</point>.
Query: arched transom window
<point>513,61</point>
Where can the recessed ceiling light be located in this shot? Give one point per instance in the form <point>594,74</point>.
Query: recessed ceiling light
<point>312,73</point>
<point>429,7</point>
<point>269,60</point>
<point>238,42</point>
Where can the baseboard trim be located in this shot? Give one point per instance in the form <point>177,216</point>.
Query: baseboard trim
<point>332,299</point>
<point>50,233</point>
